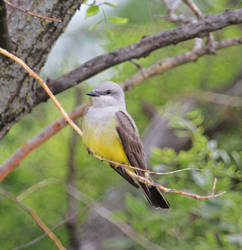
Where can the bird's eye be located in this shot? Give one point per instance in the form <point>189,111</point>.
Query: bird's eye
<point>108,92</point>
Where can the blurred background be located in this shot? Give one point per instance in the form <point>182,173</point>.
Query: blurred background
<point>183,124</point>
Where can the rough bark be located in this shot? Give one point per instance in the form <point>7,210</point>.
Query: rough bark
<point>32,39</point>
<point>4,38</point>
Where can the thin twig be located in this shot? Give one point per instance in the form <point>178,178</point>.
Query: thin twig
<point>105,213</point>
<point>36,186</point>
<point>155,69</point>
<point>42,236</point>
<point>138,65</point>
<point>171,13</point>
<point>44,86</point>
<point>169,190</point>
<point>216,98</point>
<point>21,153</point>
<point>116,164</point>
<point>31,13</point>
<point>36,218</point>
<point>198,13</point>
<point>214,186</point>
<point>194,9</point>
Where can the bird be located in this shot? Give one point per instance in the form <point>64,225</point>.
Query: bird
<point>110,132</point>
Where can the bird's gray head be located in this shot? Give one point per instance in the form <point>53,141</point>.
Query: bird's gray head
<point>107,94</point>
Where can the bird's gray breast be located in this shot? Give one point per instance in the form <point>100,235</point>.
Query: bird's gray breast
<point>100,117</point>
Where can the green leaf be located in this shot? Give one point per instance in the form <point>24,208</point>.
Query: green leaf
<point>111,4</point>
<point>92,10</point>
<point>118,20</point>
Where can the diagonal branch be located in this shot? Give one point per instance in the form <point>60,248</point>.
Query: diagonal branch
<point>42,236</point>
<point>170,63</point>
<point>44,86</point>
<point>20,154</point>
<point>36,218</point>
<point>194,8</point>
<point>140,49</point>
<point>10,164</point>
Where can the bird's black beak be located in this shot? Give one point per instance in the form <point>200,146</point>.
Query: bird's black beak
<point>93,93</point>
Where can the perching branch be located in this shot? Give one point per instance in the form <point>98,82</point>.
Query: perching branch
<point>36,218</point>
<point>23,151</point>
<point>16,158</point>
<point>105,213</point>
<point>31,13</point>
<point>189,56</point>
<point>140,49</point>
<point>169,190</point>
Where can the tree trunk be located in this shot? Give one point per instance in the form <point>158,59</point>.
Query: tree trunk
<point>31,38</point>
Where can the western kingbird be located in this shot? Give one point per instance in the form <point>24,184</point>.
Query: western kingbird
<point>110,132</point>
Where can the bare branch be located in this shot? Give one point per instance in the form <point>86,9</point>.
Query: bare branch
<point>116,164</point>
<point>194,8</point>
<point>32,14</point>
<point>105,213</point>
<point>36,186</point>
<point>23,151</point>
<point>42,236</point>
<point>217,98</point>
<point>36,218</point>
<point>141,49</point>
<point>200,16</point>
<point>214,186</point>
<point>171,13</point>
<point>20,154</point>
<point>173,62</point>
<point>169,190</point>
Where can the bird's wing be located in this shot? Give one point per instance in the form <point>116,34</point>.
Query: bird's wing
<point>131,141</point>
<point>133,148</point>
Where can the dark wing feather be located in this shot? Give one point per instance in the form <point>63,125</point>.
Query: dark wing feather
<point>122,172</point>
<point>134,150</point>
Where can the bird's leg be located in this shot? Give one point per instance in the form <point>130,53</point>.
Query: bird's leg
<point>89,151</point>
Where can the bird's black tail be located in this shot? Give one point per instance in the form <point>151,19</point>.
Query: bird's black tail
<point>155,197</point>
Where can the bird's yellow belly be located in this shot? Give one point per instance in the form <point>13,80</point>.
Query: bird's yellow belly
<point>104,141</point>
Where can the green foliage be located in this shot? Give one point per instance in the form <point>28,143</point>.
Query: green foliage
<point>92,10</point>
<point>118,20</point>
<point>191,224</point>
